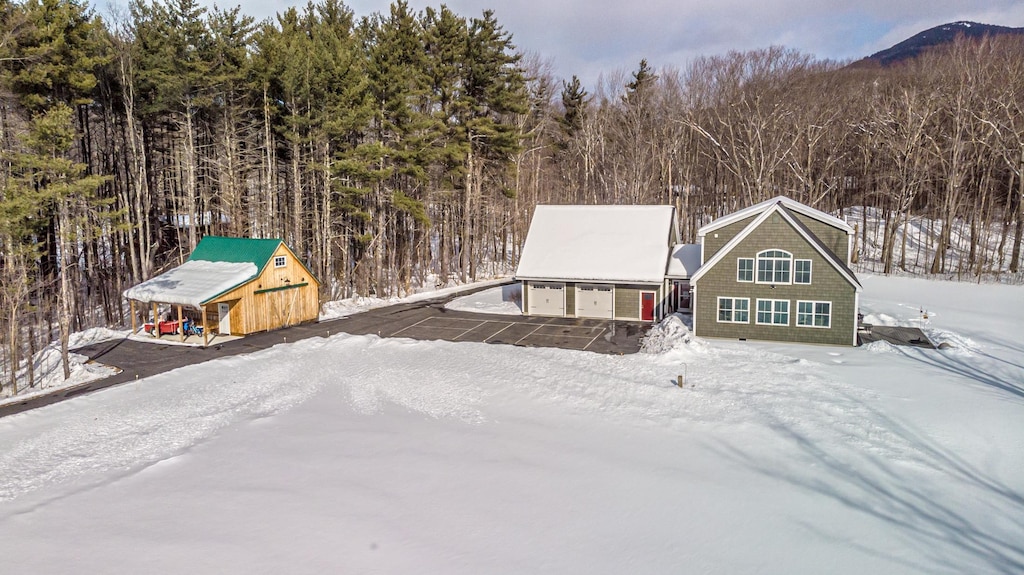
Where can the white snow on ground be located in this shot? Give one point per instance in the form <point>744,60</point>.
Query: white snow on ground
<point>357,454</point>
<point>49,373</point>
<point>502,300</point>
<point>915,241</point>
<point>49,370</point>
<point>347,307</point>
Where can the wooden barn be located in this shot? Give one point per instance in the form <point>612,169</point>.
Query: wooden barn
<point>230,286</point>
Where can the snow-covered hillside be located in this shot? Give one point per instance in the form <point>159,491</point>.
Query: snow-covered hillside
<point>357,454</point>
<point>914,247</point>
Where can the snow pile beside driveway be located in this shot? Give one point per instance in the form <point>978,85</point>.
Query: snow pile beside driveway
<point>346,307</point>
<point>671,333</point>
<point>48,369</point>
<point>502,300</point>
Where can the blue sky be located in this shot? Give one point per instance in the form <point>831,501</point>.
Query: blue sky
<point>589,38</point>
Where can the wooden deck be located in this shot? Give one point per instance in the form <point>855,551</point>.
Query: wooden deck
<point>896,335</point>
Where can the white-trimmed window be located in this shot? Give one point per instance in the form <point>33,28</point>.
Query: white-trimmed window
<point>745,269</point>
<point>802,271</point>
<point>773,311</point>
<point>814,313</point>
<point>280,261</point>
<point>774,266</point>
<point>733,310</point>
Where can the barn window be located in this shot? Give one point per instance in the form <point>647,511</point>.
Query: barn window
<point>280,261</point>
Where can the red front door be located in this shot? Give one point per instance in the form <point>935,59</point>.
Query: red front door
<point>647,306</point>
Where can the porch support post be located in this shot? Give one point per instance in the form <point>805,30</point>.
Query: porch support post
<point>206,330</point>
<point>181,327</point>
<point>156,322</point>
<point>131,302</point>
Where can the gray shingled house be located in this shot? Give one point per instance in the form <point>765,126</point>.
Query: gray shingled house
<point>778,270</point>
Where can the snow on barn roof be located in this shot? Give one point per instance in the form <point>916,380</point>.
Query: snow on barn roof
<point>217,265</point>
<point>685,261</point>
<point>598,243</point>
<point>193,282</point>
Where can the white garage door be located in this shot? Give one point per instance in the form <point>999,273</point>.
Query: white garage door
<point>594,301</point>
<point>547,299</point>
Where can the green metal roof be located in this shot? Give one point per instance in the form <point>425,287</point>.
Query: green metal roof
<point>236,250</point>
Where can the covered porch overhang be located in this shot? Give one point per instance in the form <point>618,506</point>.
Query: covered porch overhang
<point>189,286</point>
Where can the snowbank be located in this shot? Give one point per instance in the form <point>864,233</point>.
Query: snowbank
<point>48,370</point>
<point>503,300</point>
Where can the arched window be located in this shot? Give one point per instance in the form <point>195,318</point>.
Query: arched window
<point>774,267</point>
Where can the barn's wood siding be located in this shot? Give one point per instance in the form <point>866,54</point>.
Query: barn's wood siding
<point>278,297</point>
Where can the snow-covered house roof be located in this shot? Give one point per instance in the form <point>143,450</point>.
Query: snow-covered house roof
<point>598,243</point>
<point>193,282</point>
<point>217,265</point>
<point>685,261</point>
<point>788,203</point>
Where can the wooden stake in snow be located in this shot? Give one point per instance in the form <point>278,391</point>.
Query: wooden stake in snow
<point>681,379</point>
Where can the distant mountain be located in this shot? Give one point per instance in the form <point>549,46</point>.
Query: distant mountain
<point>944,34</point>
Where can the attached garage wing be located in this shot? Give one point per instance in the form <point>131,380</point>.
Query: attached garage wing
<point>546,299</point>
<point>595,301</point>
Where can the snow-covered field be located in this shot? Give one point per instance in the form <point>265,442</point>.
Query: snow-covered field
<point>366,455</point>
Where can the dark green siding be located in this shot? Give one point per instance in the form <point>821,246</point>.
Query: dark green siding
<point>570,299</point>
<point>833,238</point>
<point>627,302</point>
<point>717,239</point>
<point>827,284</point>
<point>525,290</point>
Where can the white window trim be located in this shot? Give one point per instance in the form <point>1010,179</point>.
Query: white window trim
<point>757,312</point>
<point>753,270</point>
<point>718,308</point>
<point>813,313</point>
<point>282,259</point>
<point>810,272</point>
<point>757,266</point>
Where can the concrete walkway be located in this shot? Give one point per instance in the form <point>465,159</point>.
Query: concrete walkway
<point>423,320</point>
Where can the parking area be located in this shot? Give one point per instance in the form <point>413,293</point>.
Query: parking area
<point>503,331</point>
<point>432,321</point>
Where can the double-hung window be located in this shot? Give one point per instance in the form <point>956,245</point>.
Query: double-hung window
<point>802,271</point>
<point>773,311</point>
<point>774,266</point>
<point>733,310</point>
<point>814,313</point>
<point>745,269</point>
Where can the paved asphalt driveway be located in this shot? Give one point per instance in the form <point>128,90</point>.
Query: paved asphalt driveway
<point>424,320</point>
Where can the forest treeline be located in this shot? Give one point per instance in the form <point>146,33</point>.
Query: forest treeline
<point>403,147</point>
